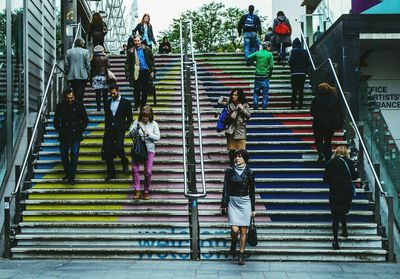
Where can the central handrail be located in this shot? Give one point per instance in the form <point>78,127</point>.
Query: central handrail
<point>329,61</point>
<point>78,30</point>
<point>35,130</point>
<point>194,63</point>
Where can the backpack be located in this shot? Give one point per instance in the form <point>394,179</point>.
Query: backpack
<point>249,22</point>
<point>282,29</point>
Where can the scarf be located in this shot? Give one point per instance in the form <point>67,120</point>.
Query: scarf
<point>240,169</point>
<point>136,66</point>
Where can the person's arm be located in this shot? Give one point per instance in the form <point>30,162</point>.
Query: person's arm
<point>327,172</point>
<point>288,25</point>
<point>129,116</point>
<point>155,134</point>
<point>223,101</point>
<point>133,129</point>
<point>246,111</point>
<point>225,192</point>
<point>251,56</point>
<point>137,28</point>
<point>128,64</point>
<point>57,118</point>
<point>313,107</point>
<point>150,63</point>
<point>152,36</point>
<point>240,26</point>
<point>271,66</point>
<point>67,63</point>
<point>87,62</point>
<point>258,24</point>
<point>85,118</point>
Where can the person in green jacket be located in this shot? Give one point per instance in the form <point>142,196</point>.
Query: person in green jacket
<point>264,66</point>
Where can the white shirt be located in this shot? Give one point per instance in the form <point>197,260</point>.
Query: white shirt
<point>114,105</point>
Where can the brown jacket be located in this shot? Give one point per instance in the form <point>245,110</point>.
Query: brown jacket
<point>99,65</point>
<point>238,127</point>
<point>131,59</point>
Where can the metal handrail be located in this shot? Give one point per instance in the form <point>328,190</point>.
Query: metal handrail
<point>34,131</point>
<point>383,193</point>
<point>203,183</point>
<point>78,29</point>
<point>1,65</point>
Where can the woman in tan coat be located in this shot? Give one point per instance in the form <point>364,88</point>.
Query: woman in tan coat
<point>238,114</point>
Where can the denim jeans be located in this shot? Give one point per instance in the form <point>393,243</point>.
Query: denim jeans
<point>148,170</point>
<point>282,52</point>
<point>251,43</point>
<point>69,164</point>
<point>261,83</point>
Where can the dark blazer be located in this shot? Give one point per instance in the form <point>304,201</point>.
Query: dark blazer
<point>122,119</point>
<point>70,121</point>
<point>238,185</point>
<point>130,62</point>
<point>140,28</point>
<point>339,180</point>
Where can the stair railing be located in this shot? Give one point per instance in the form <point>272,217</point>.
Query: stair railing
<point>48,101</point>
<point>356,140</point>
<point>189,155</point>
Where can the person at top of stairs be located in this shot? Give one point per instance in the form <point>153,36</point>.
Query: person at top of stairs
<point>145,30</point>
<point>70,120</point>
<point>264,67</point>
<point>299,63</point>
<point>282,31</point>
<point>325,110</point>
<point>139,70</point>
<point>339,173</point>
<point>238,114</point>
<point>238,198</point>
<point>148,128</point>
<point>118,118</point>
<point>250,24</point>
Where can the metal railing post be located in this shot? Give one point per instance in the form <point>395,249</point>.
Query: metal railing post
<point>361,152</point>
<point>377,195</point>
<point>7,230</point>
<point>17,213</point>
<point>30,158</point>
<point>390,230</point>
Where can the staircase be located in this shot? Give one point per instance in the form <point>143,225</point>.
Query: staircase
<point>96,219</point>
<point>293,216</point>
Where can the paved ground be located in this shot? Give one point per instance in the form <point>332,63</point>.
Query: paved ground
<point>115,269</point>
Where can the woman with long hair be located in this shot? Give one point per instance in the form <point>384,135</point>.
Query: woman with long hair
<point>145,30</point>
<point>99,65</point>
<point>148,128</point>
<point>327,118</point>
<point>339,173</point>
<point>238,200</point>
<point>97,30</point>
<point>238,114</point>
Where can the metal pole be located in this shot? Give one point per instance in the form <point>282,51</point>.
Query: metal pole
<point>7,232</point>
<point>186,40</point>
<point>30,159</point>
<point>17,214</point>
<point>361,151</point>
<point>390,230</point>
<point>377,197</point>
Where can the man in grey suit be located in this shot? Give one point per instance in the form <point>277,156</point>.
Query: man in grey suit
<point>77,68</point>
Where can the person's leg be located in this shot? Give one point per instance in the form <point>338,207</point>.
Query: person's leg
<point>265,90</point>
<point>105,96</point>
<point>300,89</point>
<point>98,99</point>
<point>328,144</point>
<point>246,44</point>
<point>257,88</point>
<point>119,145</point>
<point>74,159</point>
<point>136,178</point>
<point>148,169</point>
<point>294,91</point>
<point>136,92</point>
<point>145,86</point>
<point>234,237</point>
<point>243,236</point>
<point>64,147</point>
<point>109,152</point>
<point>344,226</point>
<point>335,229</point>
<point>318,135</point>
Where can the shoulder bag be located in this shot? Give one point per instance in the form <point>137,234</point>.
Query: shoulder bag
<point>139,148</point>
<point>252,233</point>
<point>352,184</point>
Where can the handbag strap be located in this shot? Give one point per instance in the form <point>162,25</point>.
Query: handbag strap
<point>137,130</point>
<point>347,167</point>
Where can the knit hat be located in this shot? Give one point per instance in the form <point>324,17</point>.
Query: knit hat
<point>266,44</point>
<point>98,49</point>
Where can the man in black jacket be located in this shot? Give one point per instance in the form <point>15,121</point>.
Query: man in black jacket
<point>139,70</point>
<point>250,24</point>
<point>118,118</point>
<point>70,120</point>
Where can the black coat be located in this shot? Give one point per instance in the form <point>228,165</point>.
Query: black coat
<point>70,120</point>
<point>121,121</point>
<point>340,182</point>
<point>235,184</point>
<point>140,28</point>
<point>299,61</point>
<point>325,109</point>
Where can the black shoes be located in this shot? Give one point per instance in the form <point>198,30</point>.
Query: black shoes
<point>65,178</point>
<point>345,233</point>
<point>108,178</point>
<point>320,159</point>
<point>125,165</point>
<point>232,250</point>
<point>71,181</point>
<point>241,258</point>
<point>335,245</point>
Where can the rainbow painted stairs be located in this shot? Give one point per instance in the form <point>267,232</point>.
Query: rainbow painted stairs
<point>96,219</point>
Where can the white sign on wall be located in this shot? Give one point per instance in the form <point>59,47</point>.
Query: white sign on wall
<point>386,93</point>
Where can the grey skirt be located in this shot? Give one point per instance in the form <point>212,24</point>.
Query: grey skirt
<point>239,211</point>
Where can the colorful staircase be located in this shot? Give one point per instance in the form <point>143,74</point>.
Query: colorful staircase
<point>95,219</point>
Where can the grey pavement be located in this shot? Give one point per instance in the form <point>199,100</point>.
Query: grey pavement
<point>115,269</point>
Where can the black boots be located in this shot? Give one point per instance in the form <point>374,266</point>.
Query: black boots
<point>232,250</point>
<point>241,258</point>
<point>335,245</point>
